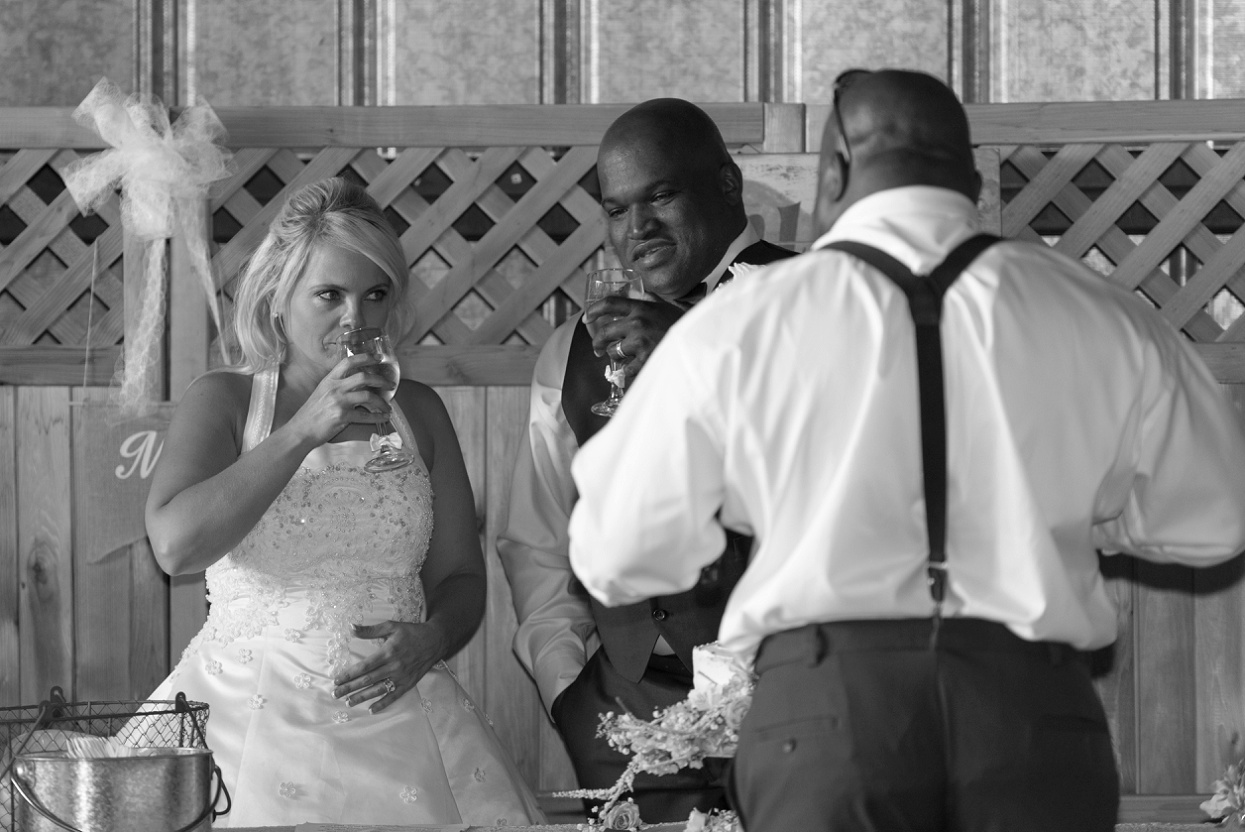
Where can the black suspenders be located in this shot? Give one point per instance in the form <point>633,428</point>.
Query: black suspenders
<point>925,303</point>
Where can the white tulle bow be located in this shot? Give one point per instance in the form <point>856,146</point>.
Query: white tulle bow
<point>393,440</point>
<point>164,171</point>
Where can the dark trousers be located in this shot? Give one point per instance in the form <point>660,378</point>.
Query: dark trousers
<point>598,689</point>
<point>879,725</point>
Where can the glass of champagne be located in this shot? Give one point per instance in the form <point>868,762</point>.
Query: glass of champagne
<point>374,342</point>
<point>604,283</point>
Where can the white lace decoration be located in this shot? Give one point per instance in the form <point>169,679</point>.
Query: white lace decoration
<point>164,171</point>
<point>393,440</point>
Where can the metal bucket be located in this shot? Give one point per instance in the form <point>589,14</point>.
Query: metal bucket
<point>163,790</point>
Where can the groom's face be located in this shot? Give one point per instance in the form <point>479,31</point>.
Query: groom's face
<point>667,214</point>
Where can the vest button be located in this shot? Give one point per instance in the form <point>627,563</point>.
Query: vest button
<point>659,615</point>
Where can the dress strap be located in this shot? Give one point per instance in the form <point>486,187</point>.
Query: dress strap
<point>263,405</point>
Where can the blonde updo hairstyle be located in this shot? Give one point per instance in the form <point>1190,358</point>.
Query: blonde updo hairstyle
<point>332,212</point>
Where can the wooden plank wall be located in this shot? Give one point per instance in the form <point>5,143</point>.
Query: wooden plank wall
<point>1173,685</point>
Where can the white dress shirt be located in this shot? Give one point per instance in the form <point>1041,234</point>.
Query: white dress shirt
<point>1077,419</point>
<point>556,633</point>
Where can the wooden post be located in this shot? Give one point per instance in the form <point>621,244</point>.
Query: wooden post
<point>990,201</point>
<point>189,339</point>
<point>44,540</point>
<point>10,573</point>
<point>784,128</point>
<point>189,342</point>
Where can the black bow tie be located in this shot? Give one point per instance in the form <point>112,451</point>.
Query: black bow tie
<point>693,295</point>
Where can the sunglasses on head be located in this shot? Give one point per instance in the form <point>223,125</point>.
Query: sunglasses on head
<point>841,83</point>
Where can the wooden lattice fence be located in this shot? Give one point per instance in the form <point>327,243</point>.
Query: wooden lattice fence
<point>497,212</point>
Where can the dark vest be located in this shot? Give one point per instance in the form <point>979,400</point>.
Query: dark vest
<point>690,618</point>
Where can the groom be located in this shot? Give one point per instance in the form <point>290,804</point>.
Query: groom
<point>674,207</point>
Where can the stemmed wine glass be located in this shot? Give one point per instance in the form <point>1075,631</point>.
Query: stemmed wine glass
<point>374,342</point>
<point>604,283</point>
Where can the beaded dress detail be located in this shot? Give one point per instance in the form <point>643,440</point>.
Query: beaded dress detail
<point>338,546</point>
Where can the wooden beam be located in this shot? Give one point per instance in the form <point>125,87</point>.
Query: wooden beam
<point>50,364</point>
<point>583,124</point>
<point>441,126</point>
<point>1226,361</point>
<point>488,365</point>
<point>1103,122</point>
<point>1162,808</point>
<point>436,365</point>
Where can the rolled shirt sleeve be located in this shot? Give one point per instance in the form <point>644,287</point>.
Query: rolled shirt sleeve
<point>1183,500</point>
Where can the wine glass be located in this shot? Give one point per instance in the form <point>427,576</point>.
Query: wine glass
<point>374,342</point>
<point>604,283</point>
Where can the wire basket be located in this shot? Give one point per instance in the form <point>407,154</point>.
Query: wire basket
<point>138,723</point>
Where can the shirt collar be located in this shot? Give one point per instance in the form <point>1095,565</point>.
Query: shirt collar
<point>917,224</point>
<point>747,238</point>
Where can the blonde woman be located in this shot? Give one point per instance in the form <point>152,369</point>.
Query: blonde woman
<point>336,594</point>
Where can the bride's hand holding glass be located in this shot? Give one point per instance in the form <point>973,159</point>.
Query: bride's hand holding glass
<point>373,342</point>
<point>348,394</point>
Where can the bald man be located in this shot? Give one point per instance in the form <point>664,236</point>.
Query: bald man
<point>674,209</point>
<point>928,477</point>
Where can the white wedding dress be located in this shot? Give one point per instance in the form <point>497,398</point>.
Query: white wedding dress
<point>338,546</point>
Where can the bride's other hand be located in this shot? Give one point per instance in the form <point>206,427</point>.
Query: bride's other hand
<point>407,653</point>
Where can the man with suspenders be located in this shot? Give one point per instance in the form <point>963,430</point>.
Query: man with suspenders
<point>930,435</point>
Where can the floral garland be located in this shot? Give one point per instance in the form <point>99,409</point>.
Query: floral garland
<point>704,725</point>
<point>1229,796</point>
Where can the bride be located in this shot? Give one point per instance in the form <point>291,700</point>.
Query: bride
<point>336,594</point>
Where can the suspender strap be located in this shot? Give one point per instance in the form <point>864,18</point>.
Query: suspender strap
<point>925,304</point>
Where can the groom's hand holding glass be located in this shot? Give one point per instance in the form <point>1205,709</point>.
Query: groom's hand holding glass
<point>635,325</point>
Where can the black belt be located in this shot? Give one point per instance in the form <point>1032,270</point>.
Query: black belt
<point>811,643</point>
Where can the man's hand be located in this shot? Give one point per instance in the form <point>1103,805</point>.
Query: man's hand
<point>637,325</point>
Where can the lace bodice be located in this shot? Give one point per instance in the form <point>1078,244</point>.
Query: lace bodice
<point>337,539</point>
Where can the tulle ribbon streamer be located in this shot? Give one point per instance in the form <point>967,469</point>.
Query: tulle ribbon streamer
<point>164,171</point>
